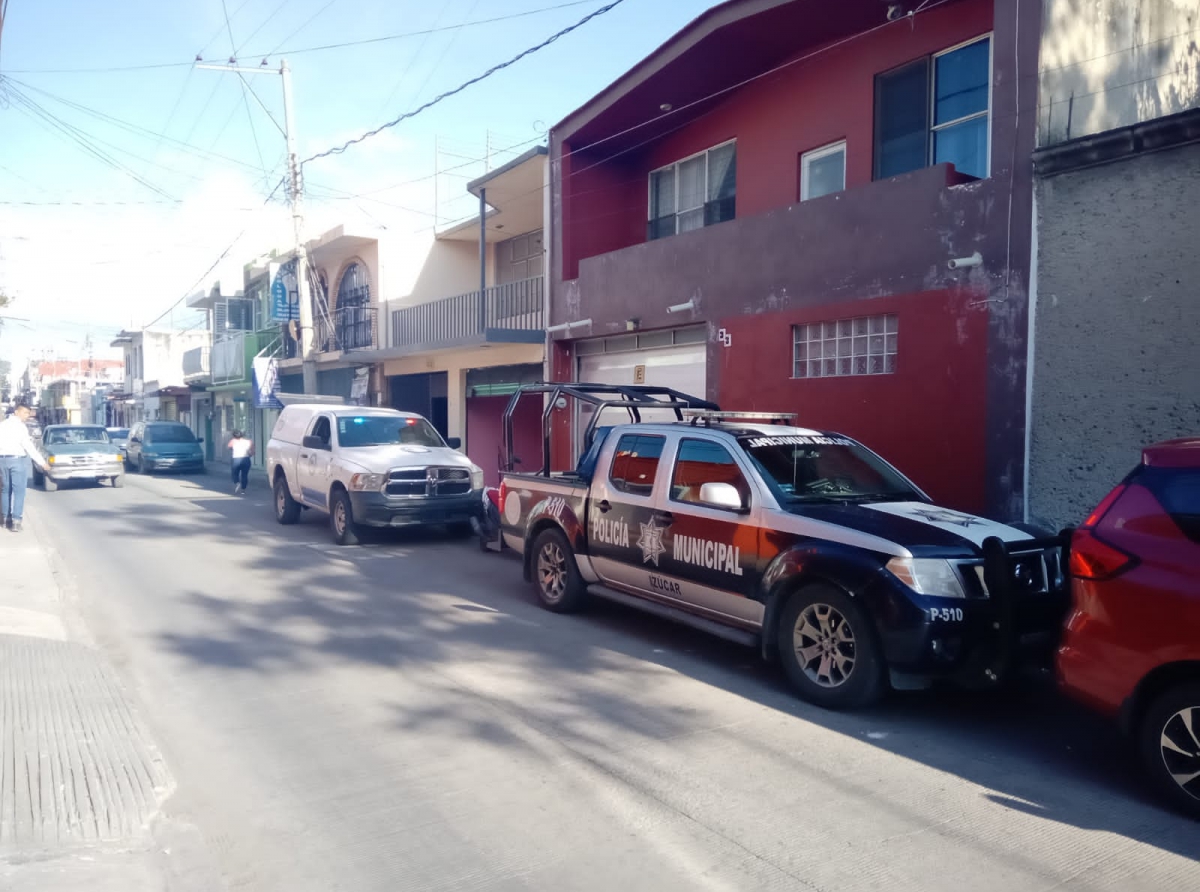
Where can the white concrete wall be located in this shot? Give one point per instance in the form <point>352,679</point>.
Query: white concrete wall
<point>1112,63</point>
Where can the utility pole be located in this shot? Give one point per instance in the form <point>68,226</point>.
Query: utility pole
<point>296,195</point>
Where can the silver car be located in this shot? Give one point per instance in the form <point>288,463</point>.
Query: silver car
<point>79,452</point>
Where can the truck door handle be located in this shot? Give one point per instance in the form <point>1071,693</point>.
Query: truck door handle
<point>304,455</point>
<point>604,506</point>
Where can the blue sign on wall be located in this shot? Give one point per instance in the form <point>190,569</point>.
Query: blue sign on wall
<point>282,306</point>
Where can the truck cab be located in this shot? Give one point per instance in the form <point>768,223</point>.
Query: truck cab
<point>801,542</point>
<point>369,467</point>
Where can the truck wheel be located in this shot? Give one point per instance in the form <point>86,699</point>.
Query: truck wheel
<point>287,509</point>
<point>828,648</point>
<point>559,586</point>
<point>1169,740</point>
<point>341,519</point>
<point>47,484</point>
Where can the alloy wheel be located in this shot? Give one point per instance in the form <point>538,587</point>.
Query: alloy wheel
<point>339,517</point>
<point>552,572</point>
<point>825,645</point>
<point>1180,746</point>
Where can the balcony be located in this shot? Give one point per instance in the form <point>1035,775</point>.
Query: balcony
<point>232,356</point>
<point>197,364</point>
<point>509,313</point>
<point>347,328</point>
<point>885,237</point>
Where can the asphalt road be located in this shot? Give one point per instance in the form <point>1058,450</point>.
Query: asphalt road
<point>402,716</point>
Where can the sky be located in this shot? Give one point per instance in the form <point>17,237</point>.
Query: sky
<point>126,170</point>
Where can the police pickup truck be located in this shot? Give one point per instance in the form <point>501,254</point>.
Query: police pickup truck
<point>803,543</point>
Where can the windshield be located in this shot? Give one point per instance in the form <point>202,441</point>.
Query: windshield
<point>69,436</point>
<point>384,430</point>
<point>825,469</point>
<point>169,433</point>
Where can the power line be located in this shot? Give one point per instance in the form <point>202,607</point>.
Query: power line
<point>245,100</point>
<point>300,28</point>
<point>337,150</point>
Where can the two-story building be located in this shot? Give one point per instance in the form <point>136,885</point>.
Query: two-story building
<point>469,328</point>
<point>1116,316</point>
<point>816,208</point>
<point>154,385</point>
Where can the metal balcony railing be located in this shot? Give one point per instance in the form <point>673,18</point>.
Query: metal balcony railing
<point>514,306</point>
<point>346,328</point>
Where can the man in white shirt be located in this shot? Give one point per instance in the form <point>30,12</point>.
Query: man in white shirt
<point>15,446</point>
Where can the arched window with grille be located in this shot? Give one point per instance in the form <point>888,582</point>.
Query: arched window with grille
<point>354,319</point>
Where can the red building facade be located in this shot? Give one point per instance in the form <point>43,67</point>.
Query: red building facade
<point>767,209</point>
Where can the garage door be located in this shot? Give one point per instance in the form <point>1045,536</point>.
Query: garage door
<point>680,366</point>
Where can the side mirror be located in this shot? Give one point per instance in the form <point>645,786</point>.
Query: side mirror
<point>454,442</point>
<point>311,442</point>
<point>721,495</point>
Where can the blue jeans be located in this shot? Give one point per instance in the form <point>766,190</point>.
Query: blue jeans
<point>241,471</point>
<point>13,474</point>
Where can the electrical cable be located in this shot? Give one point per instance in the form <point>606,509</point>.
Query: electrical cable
<point>445,51</point>
<point>337,150</point>
<point>301,27</point>
<point>245,99</point>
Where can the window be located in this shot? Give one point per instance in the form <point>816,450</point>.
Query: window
<point>519,258</point>
<point>693,193</point>
<point>862,346</point>
<point>321,431</point>
<point>823,171</point>
<point>700,462</point>
<point>935,110</point>
<point>636,463</point>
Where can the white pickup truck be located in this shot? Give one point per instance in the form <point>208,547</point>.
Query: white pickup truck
<point>369,467</point>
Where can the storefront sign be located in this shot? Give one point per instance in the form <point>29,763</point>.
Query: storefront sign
<point>358,387</point>
<point>284,304</point>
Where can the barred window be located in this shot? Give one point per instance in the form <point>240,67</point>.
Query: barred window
<point>865,345</point>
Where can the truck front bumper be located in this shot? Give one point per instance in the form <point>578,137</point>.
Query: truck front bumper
<point>61,474</point>
<point>374,509</point>
<point>975,641</point>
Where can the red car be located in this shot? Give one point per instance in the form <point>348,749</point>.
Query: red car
<point>1131,647</point>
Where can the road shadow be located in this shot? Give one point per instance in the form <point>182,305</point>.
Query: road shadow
<point>415,601</point>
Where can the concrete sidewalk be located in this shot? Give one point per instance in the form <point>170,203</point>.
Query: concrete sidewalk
<point>80,779</point>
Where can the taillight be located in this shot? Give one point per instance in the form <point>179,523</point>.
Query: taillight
<point>1093,558</point>
<point>1102,509</point>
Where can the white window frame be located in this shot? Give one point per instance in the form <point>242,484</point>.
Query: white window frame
<point>674,165</point>
<point>935,128</point>
<point>807,158</point>
<point>850,338</point>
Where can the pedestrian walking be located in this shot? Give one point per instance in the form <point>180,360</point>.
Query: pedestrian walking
<point>15,446</point>
<point>241,448</point>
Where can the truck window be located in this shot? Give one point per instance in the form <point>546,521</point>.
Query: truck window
<point>635,463</point>
<point>1178,491</point>
<point>703,461</point>
<point>321,430</point>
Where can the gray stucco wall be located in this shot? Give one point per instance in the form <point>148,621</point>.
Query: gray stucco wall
<point>1117,325</point>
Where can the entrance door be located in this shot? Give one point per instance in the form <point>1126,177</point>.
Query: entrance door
<point>713,553</point>
<point>313,466</point>
<point>624,532</point>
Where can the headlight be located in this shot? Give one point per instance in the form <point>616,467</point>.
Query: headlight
<point>929,576</point>
<point>363,482</point>
<point>476,477</point>
<point>50,459</point>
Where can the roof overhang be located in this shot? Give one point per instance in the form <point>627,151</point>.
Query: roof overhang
<point>722,48</point>
<point>513,193</point>
<point>340,241</point>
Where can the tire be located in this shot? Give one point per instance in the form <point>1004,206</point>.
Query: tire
<point>287,509</point>
<point>1162,734</point>
<point>341,518</point>
<point>118,481</point>
<point>47,484</point>
<point>829,650</point>
<point>556,577</point>
<point>141,465</point>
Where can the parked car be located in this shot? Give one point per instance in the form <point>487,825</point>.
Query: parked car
<point>1131,648</point>
<point>163,446</point>
<point>369,468</point>
<point>119,436</point>
<point>78,452</point>
<point>802,543</point>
